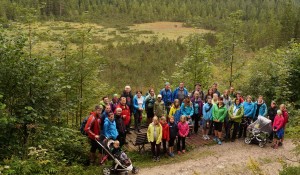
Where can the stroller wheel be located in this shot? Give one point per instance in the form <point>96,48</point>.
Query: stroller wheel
<point>262,144</point>
<point>106,171</point>
<point>247,140</point>
<point>135,170</point>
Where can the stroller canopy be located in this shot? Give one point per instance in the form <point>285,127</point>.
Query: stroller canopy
<point>262,124</point>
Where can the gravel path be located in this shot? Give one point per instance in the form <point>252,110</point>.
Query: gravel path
<point>230,158</point>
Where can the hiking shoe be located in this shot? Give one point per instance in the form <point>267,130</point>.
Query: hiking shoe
<point>157,158</point>
<point>215,139</point>
<point>172,155</point>
<point>178,152</point>
<point>154,159</point>
<point>219,142</point>
<point>208,138</point>
<point>280,144</point>
<point>204,137</point>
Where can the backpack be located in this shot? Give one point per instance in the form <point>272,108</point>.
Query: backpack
<point>82,126</point>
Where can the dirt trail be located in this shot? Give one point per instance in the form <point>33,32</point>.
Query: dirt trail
<point>230,158</point>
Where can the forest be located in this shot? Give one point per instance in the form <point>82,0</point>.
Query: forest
<point>60,57</point>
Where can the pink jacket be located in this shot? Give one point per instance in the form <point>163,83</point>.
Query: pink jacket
<point>183,129</point>
<point>278,122</point>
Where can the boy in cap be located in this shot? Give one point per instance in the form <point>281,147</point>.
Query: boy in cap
<point>159,107</point>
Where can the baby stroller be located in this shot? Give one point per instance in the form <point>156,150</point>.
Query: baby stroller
<point>259,131</point>
<point>122,164</point>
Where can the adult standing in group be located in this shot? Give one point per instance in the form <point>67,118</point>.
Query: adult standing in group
<point>215,89</point>
<point>227,102</point>
<point>272,111</point>
<point>138,107</point>
<point>248,116</point>
<point>120,126</point>
<point>92,128</point>
<point>198,88</point>
<point>114,102</point>
<point>207,118</point>
<point>239,96</point>
<point>260,108</point>
<point>232,94</point>
<point>110,128</point>
<point>125,112</point>
<point>104,102</point>
<point>149,105</point>
<point>180,92</point>
<point>198,105</point>
<point>129,101</point>
<point>219,113</point>
<point>166,94</point>
<point>236,112</point>
<point>209,94</point>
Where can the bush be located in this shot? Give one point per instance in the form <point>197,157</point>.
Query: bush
<point>290,170</point>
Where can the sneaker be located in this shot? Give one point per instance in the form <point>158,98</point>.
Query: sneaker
<point>154,159</point>
<point>204,137</point>
<point>172,155</point>
<point>280,144</point>
<point>157,158</point>
<point>208,138</point>
<point>219,142</point>
<point>178,152</point>
<point>183,151</point>
<point>215,139</point>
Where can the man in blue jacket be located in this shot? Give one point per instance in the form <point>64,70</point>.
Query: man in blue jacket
<point>110,128</point>
<point>180,93</point>
<point>166,94</point>
<point>260,108</point>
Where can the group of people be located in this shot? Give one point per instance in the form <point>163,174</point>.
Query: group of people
<point>174,115</point>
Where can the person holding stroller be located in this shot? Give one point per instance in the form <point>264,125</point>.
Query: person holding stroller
<point>236,112</point>
<point>248,116</point>
<point>92,128</point>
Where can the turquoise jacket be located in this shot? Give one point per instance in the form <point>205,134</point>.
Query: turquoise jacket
<point>136,104</point>
<point>248,109</point>
<point>187,110</point>
<point>207,113</point>
<point>110,129</point>
<point>263,110</point>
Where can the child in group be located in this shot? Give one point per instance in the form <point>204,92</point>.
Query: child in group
<point>183,131</point>
<point>207,118</point>
<point>278,128</point>
<point>154,135</point>
<point>175,111</point>
<point>187,109</point>
<point>159,107</point>
<point>165,133</point>
<point>173,134</point>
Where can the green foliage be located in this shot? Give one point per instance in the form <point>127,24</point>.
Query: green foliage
<point>290,170</point>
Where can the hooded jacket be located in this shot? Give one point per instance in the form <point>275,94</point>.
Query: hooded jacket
<point>173,130</point>
<point>207,111</point>
<point>239,109</point>
<point>150,133</point>
<point>183,129</point>
<point>176,113</point>
<point>110,129</point>
<point>92,127</point>
<point>165,131</point>
<point>248,109</point>
<point>187,110</point>
<point>219,113</point>
<point>167,96</point>
<point>121,128</point>
<point>126,112</point>
<point>262,110</point>
<point>197,105</point>
<point>175,93</point>
<point>136,104</point>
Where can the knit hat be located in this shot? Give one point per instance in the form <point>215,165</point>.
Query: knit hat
<point>279,112</point>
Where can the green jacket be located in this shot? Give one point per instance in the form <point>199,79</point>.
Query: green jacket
<point>219,113</point>
<point>150,133</point>
<point>239,113</point>
<point>159,109</point>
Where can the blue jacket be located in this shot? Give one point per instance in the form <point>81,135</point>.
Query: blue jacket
<point>207,115</point>
<point>110,129</point>
<point>166,96</point>
<point>248,109</point>
<point>187,110</point>
<point>175,93</point>
<point>136,104</point>
<point>263,110</point>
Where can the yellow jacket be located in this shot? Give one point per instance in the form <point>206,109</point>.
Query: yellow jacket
<point>150,133</point>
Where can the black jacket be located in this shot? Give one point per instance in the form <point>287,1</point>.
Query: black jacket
<point>120,124</point>
<point>272,113</point>
<point>173,130</point>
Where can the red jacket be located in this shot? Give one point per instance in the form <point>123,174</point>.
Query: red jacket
<point>165,131</point>
<point>183,129</point>
<point>92,127</point>
<point>126,112</point>
<point>286,117</point>
<point>278,122</point>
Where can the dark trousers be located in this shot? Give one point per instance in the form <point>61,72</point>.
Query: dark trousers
<point>243,126</point>
<point>164,143</point>
<point>121,138</point>
<point>227,127</point>
<point>181,139</point>
<point>155,149</point>
<point>235,129</point>
<point>211,127</point>
<point>137,119</point>
<point>196,118</point>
